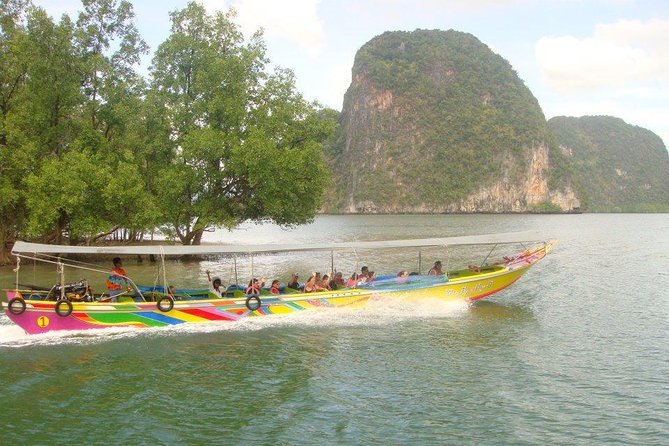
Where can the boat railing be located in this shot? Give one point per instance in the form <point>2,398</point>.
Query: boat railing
<point>62,286</point>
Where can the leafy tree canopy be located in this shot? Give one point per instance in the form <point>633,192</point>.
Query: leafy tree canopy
<point>243,142</point>
<point>88,146</point>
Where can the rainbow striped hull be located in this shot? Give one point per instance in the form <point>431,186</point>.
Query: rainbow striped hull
<point>40,316</point>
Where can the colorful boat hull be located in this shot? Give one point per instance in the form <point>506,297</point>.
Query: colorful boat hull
<point>40,316</point>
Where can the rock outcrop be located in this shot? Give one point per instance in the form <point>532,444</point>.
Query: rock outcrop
<point>506,196</point>
<point>434,121</point>
<point>619,167</point>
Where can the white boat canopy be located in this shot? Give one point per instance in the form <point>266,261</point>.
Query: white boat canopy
<point>207,249</point>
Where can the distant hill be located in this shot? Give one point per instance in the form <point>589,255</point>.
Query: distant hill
<point>619,167</point>
<point>434,121</point>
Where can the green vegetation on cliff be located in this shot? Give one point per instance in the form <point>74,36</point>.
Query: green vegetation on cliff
<point>451,72</point>
<point>429,118</point>
<point>619,167</point>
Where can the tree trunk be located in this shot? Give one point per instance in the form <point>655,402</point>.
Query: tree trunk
<point>92,240</point>
<point>4,252</point>
<point>191,237</point>
<point>197,239</point>
<point>62,223</point>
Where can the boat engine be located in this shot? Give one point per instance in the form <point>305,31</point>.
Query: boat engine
<point>74,292</point>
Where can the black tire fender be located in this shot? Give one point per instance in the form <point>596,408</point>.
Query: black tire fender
<point>59,309</point>
<point>16,305</point>
<point>165,304</point>
<point>256,303</point>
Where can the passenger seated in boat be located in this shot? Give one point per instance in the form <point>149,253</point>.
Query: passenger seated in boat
<point>325,283</point>
<point>254,286</point>
<point>364,273</point>
<point>274,289</point>
<point>216,286</point>
<point>117,279</point>
<point>403,276</point>
<point>338,281</point>
<point>171,292</point>
<point>310,284</point>
<point>314,283</point>
<point>474,268</point>
<point>352,281</point>
<point>294,284</point>
<point>436,269</point>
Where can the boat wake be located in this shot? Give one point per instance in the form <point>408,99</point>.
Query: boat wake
<point>377,312</point>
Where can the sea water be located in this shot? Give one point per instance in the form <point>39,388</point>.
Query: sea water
<point>575,352</point>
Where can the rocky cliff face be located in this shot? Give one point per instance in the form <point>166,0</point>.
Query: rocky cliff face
<point>436,122</point>
<point>506,196</point>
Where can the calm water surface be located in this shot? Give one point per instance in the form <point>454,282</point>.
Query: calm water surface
<point>576,352</point>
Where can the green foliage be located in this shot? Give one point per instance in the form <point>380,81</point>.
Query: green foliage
<point>14,161</point>
<point>546,207</point>
<point>618,167</point>
<point>87,147</point>
<point>70,112</point>
<point>66,193</point>
<point>243,144</point>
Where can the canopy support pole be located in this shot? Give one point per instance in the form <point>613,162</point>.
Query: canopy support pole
<point>236,279</point>
<point>486,257</point>
<point>61,273</point>
<point>332,270</point>
<point>18,267</point>
<point>420,261</point>
<point>162,264</point>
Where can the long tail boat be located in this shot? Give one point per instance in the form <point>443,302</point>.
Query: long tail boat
<point>73,307</point>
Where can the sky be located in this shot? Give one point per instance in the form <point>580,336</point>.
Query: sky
<point>578,57</point>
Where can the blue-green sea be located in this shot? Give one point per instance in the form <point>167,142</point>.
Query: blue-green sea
<point>575,353</point>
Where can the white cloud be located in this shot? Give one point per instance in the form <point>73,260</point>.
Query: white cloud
<point>296,21</point>
<point>617,54</point>
<point>338,81</point>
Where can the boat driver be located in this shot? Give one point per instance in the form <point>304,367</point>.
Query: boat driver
<point>117,279</point>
